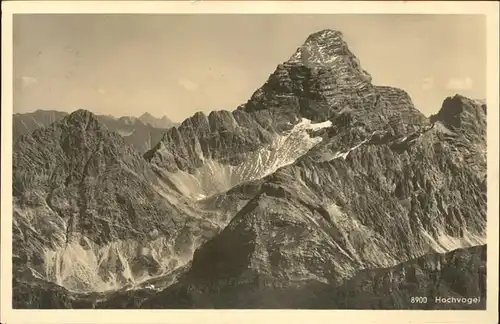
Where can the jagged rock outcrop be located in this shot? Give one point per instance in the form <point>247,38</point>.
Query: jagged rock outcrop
<point>90,214</point>
<point>464,117</point>
<point>142,135</point>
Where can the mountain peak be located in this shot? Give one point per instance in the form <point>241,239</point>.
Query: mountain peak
<point>322,76</point>
<point>324,47</point>
<point>463,115</point>
<point>151,120</point>
<point>324,36</point>
<point>458,105</point>
<point>327,49</point>
<point>82,113</point>
<point>83,118</point>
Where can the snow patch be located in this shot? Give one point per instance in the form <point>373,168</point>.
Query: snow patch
<point>125,133</point>
<point>443,129</point>
<point>344,154</point>
<point>214,177</point>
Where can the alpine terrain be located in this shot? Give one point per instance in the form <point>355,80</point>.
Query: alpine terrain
<point>323,190</point>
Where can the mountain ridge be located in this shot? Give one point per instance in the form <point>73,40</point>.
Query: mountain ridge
<point>141,134</point>
<point>163,122</point>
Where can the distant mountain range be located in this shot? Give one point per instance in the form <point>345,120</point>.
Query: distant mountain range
<point>321,191</point>
<point>163,122</point>
<point>142,132</point>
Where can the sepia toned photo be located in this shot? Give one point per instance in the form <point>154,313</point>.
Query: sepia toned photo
<point>265,161</point>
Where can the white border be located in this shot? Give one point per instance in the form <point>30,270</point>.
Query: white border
<point>490,9</point>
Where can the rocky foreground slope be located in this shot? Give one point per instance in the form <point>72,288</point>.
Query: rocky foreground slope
<point>459,274</point>
<point>317,181</point>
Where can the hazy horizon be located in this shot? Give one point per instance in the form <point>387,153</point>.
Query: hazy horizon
<point>176,65</point>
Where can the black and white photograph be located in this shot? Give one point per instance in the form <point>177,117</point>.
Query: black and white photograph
<point>264,161</point>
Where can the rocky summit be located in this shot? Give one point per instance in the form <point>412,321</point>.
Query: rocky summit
<point>321,191</point>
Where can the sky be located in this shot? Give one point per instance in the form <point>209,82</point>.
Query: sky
<point>177,64</point>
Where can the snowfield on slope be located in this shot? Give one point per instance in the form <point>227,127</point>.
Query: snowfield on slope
<point>215,177</point>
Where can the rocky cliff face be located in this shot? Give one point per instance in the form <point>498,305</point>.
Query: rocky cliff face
<point>90,214</point>
<point>317,181</point>
<point>142,135</point>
